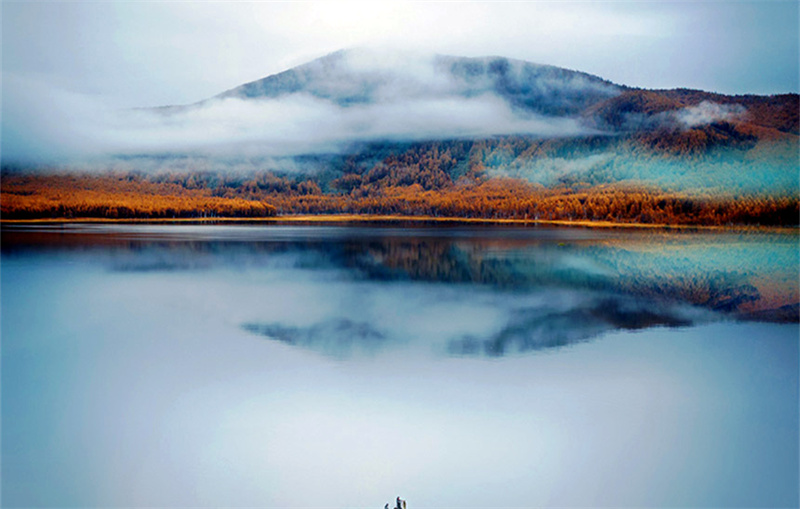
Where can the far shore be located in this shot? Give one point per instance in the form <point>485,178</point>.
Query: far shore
<point>384,218</point>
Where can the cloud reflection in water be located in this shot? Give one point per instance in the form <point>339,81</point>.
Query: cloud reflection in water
<point>539,329</point>
<point>539,287</point>
<point>136,370</point>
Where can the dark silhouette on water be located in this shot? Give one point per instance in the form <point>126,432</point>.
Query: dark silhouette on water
<point>401,504</point>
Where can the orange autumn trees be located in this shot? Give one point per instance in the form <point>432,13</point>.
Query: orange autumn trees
<point>459,179</point>
<point>115,197</point>
<point>135,196</point>
<point>513,199</point>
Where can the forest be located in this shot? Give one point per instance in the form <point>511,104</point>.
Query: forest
<point>511,177</point>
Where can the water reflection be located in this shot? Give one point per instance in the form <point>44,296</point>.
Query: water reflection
<point>546,287</point>
<point>149,366</point>
<point>336,337</point>
<point>541,327</point>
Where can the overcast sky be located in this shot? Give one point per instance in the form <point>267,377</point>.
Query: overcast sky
<point>72,69</point>
<point>146,53</point>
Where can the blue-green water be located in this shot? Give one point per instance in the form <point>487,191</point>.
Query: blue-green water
<point>343,366</point>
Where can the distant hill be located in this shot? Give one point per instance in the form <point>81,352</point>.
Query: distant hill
<point>674,122</point>
<point>361,77</point>
<point>537,142</point>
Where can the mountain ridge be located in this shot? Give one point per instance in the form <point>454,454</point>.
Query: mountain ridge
<point>360,78</point>
<point>540,143</point>
<point>469,69</point>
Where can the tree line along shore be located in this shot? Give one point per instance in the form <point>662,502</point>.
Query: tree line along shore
<point>132,195</point>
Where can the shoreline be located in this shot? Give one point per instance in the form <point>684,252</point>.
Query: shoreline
<point>386,218</point>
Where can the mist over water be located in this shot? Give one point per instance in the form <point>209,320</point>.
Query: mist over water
<point>300,366</point>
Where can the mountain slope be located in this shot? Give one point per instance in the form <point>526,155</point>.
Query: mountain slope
<point>359,95</point>
<point>361,77</point>
<point>368,133</point>
<point>392,116</point>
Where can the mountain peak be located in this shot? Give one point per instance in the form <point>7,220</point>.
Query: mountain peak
<point>364,94</point>
<point>366,76</point>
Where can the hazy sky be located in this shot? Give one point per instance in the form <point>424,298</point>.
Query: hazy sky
<point>146,53</point>
<point>68,66</point>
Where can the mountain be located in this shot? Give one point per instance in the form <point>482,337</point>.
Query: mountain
<point>395,133</point>
<point>362,77</point>
<point>363,95</point>
<point>358,77</point>
<point>567,127</point>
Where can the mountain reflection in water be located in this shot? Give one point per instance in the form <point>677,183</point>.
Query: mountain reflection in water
<point>537,328</point>
<point>549,287</point>
<point>334,337</point>
<point>271,366</point>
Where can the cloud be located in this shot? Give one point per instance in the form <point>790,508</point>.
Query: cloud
<point>157,53</point>
<point>301,123</point>
<point>550,171</point>
<point>708,112</point>
<point>704,113</point>
<point>407,99</point>
<point>41,122</point>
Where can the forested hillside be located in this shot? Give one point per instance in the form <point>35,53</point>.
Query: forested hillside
<point>504,177</point>
<point>442,136</point>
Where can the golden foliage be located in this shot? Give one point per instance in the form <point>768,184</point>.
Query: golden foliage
<point>381,192</point>
<point>115,196</point>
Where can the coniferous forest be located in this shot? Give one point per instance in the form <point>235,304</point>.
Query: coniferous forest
<point>512,177</point>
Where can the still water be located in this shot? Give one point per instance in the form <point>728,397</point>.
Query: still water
<point>337,366</point>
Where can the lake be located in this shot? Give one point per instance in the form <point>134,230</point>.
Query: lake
<point>342,366</point>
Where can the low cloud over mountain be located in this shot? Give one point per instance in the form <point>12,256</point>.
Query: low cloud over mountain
<point>346,96</point>
<point>359,95</point>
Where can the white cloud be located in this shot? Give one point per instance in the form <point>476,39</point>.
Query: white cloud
<point>156,53</point>
<point>409,98</point>
<point>301,123</point>
<point>708,112</point>
<point>704,113</point>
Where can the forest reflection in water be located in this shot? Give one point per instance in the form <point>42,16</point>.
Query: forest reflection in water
<point>537,287</point>
<point>285,366</point>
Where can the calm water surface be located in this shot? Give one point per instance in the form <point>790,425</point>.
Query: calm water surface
<point>342,366</point>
